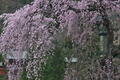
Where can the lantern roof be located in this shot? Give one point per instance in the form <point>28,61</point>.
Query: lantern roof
<point>74,59</point>
<point>16,55</point>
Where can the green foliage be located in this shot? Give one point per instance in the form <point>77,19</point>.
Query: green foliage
<point>1,58</point>
<point>24,76</point>
<point>119,46</point>
<point>55,66</point>
<point>24,73</point>
<point>68,43</point>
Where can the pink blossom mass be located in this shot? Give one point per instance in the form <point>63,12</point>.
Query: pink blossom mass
<point>33,27</point>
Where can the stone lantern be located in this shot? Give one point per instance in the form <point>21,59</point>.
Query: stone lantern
<point>103,42</point>
<point>103,37</point>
